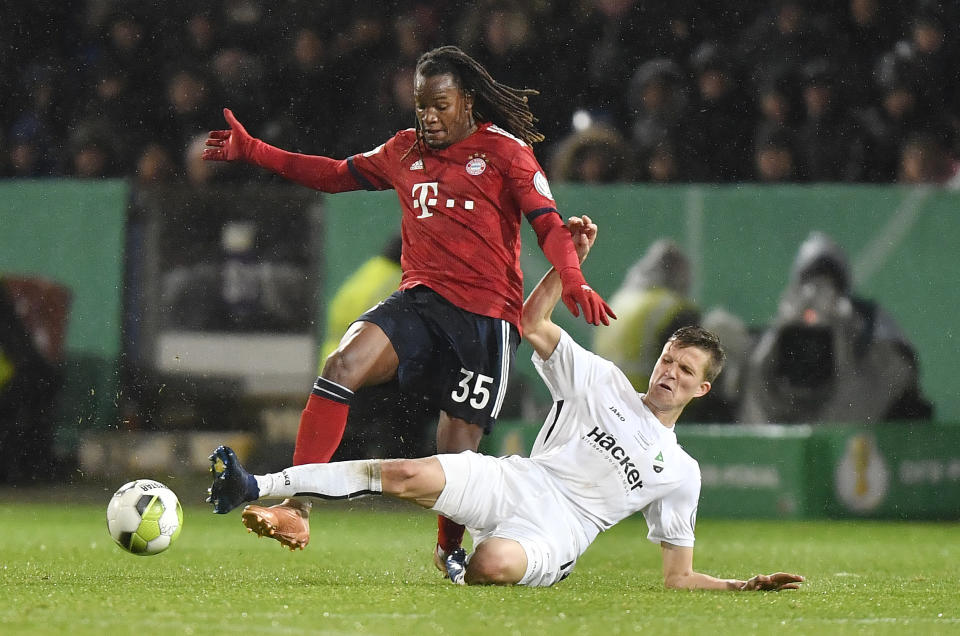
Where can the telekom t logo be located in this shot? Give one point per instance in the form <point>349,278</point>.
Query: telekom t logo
<point>422,197</point>
<point>427,195</point>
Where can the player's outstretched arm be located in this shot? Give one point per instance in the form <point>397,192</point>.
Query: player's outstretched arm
<point>577,295</point>
<point>539,330</point>
<point>314,171</point>
<point>678,573</point>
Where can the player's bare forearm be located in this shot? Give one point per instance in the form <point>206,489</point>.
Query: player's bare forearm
<point>700,581</point>
<point>678,573</point>
<point>538,328</point>
<point>760,582</point>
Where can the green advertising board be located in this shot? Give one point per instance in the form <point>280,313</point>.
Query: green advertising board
<point>751,471</point>
<point>890,471</point>
<point>887,471</point>
<point>72,232</point>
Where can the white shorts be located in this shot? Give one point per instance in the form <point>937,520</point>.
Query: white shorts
<point>513,498</point>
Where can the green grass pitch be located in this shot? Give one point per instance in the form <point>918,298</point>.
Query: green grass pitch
<point>368,571</point>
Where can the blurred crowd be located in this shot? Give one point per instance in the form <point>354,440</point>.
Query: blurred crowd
<point>630,90</point>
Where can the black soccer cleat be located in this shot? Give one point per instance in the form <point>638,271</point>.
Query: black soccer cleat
<point>456,563</point>
<point>232,484</point>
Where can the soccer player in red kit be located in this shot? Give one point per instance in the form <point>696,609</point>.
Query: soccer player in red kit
<point>465,176</point>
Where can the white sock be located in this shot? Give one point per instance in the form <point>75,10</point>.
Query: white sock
<point>339,480</point>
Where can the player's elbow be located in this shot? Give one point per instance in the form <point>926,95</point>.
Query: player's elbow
<point>530,322</point>
<point>543,343</point>
<point>677,581</point>
<point>529,331</point>
<point>673,583</point>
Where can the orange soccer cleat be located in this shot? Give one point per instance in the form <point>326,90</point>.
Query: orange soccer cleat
<point>287,522</point>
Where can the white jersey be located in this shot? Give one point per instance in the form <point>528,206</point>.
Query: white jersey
<point>610,454</point>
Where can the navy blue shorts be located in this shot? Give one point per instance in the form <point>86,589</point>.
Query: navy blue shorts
<point>462,358</point>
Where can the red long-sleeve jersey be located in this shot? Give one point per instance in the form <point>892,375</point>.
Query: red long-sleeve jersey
<point>461,211</point>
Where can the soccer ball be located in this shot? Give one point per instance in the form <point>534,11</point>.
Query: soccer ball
<point>144,517</point>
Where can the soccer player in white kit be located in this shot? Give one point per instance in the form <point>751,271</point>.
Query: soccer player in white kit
<point>604,453</point>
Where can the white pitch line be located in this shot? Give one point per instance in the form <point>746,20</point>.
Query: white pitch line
<point>892,620</point>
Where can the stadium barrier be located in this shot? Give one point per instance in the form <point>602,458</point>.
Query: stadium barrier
<point>79,232</point>
<point>121,455</point>
<point>888,471</point>
<point>72,231</point>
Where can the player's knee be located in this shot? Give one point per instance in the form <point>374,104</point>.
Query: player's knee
<point>363,359</point>
<point>455,435</point>
<point>399,476</point>
<point>493,567</point>
<point>337,368</point>
<point>347,368</point>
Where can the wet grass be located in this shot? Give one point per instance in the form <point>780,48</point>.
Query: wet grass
<point>368,570</point>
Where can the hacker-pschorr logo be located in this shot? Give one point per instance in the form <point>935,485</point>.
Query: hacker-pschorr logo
<point>607,442</point>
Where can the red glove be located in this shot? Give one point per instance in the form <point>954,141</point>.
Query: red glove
<point>576,292</point>
<point>229,145</point>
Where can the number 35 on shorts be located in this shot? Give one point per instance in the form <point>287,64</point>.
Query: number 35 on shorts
<point>474,387</point>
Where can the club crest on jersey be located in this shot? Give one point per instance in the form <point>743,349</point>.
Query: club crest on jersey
<point>658,463</point>
<point>477,164</point>
<point>540,183</point>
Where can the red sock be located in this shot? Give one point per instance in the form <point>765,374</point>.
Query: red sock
<point>322,423</point>
<point>449,534</point>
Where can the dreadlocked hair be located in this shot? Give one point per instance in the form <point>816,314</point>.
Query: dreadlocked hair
<point>498,103</point>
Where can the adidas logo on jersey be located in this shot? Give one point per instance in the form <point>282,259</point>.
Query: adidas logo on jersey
<point>608,442</point>
<point>417,165</point>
